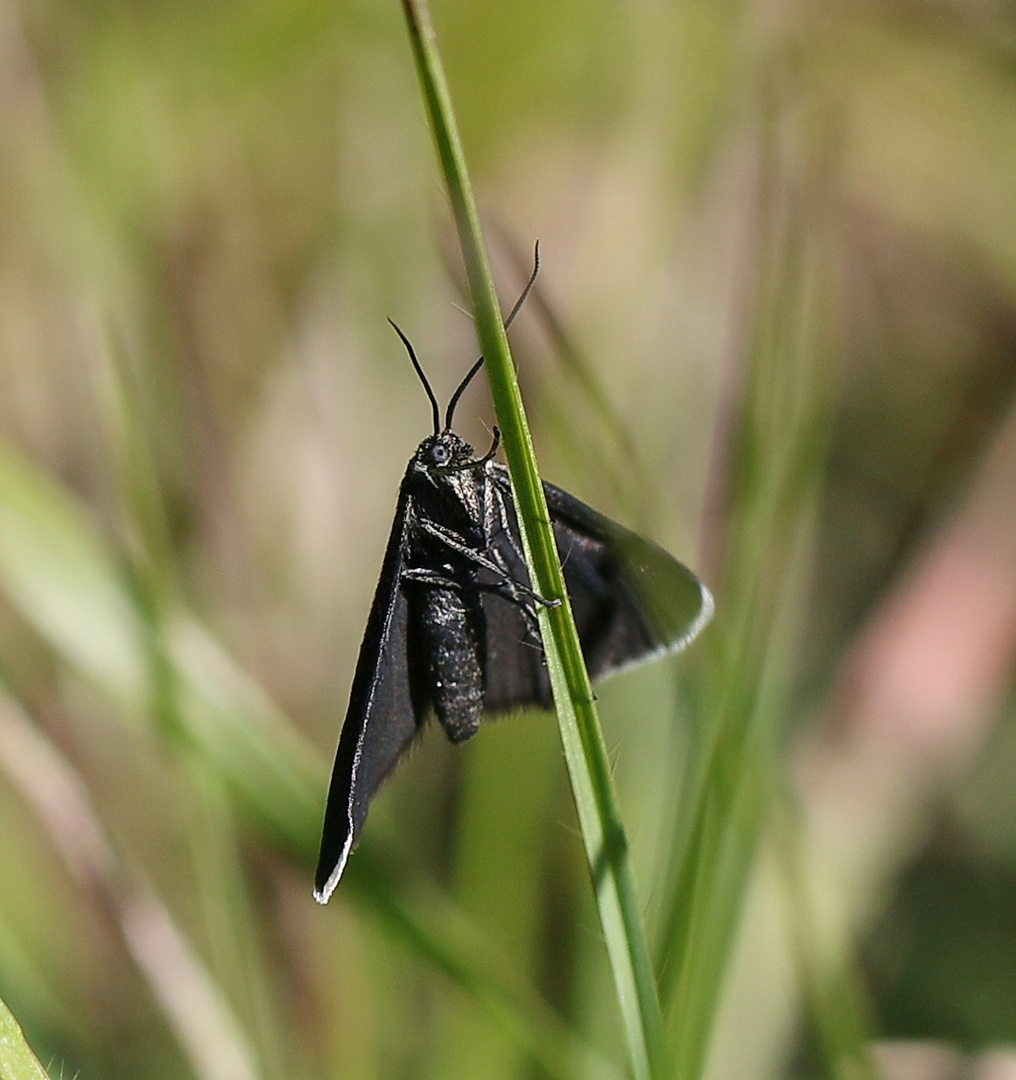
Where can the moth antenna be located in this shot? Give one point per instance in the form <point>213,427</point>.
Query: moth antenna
<point>494,444</point>
<point>528,289</point>
<point>450,411</point>
<point>435,408</point>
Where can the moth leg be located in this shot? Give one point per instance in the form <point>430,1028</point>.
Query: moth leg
<point>499,512</point>
<point>429,577</point>
<point>498,524</point>
<point>481,560</point>
<point>506,590</point>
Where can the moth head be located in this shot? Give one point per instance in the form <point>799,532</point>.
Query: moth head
<point>445,451</point>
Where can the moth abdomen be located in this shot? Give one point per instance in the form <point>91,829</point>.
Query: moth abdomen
<point>451,627</point>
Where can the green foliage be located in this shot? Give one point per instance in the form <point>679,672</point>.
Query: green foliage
<point>776,312</point>
<point>17,1062</point>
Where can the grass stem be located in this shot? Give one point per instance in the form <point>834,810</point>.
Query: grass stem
<point>592,785</point>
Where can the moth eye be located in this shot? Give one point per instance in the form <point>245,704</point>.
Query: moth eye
<point>439,454</point>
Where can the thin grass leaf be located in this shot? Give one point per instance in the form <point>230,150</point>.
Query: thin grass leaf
<point>237,959</point>
<point>602,829</point>
<point>832,985</point>
<point>58,573</point>
<point>17,1062</point>
<point>779,444</point>
<point>466,960</point>
<point>193,1005</point>
<point>61,576</point>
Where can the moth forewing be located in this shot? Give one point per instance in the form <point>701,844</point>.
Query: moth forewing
<point>380,719</point>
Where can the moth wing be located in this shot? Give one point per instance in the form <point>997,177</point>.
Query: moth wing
<point>381,719</point>
<point>515,674</point>
<point>632,601</point>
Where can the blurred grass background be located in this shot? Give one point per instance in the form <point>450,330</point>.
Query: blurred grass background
<point>775,329</point>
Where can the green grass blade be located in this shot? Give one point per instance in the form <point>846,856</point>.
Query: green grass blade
<point>831,984</point>
<point>778,441</point>
<point>602,830</point>
<point>17,1062</point>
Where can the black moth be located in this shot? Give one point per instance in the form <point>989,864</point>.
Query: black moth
<point>453,630</point>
